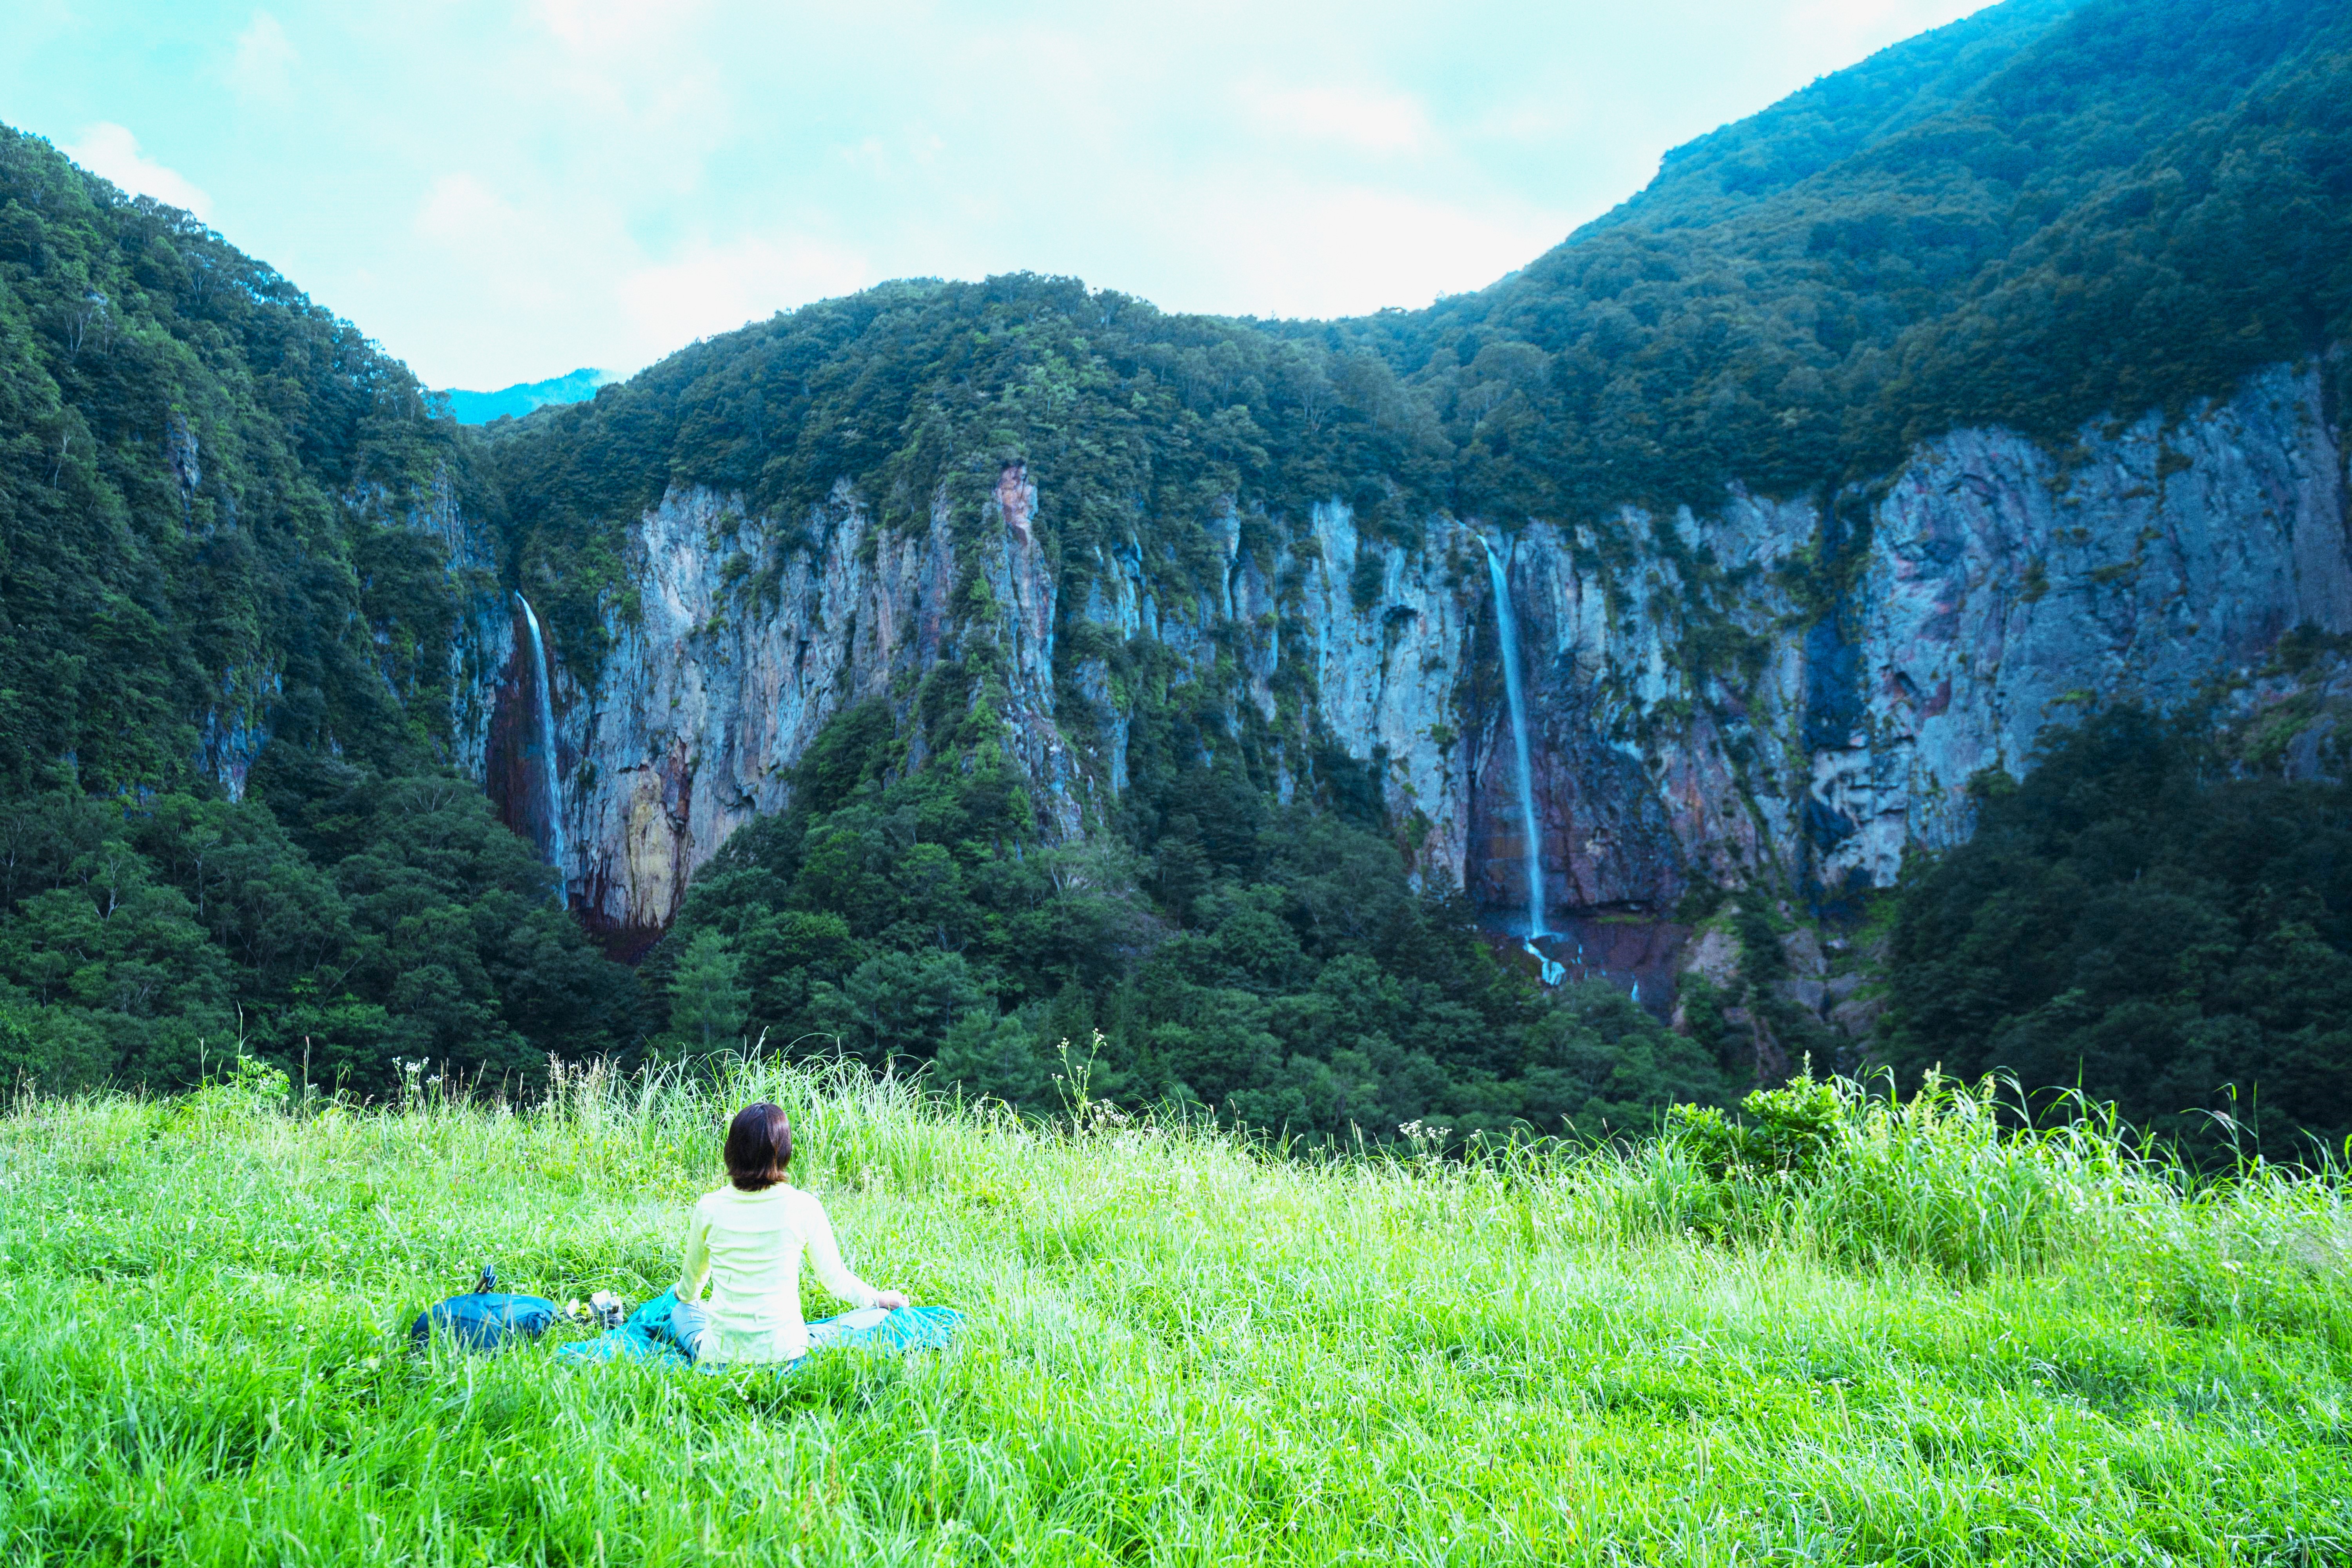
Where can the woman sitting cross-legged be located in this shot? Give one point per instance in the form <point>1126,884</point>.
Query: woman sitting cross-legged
<point>747,1239</point>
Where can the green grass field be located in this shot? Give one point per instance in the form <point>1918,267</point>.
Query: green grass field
<point>1943,1347</point>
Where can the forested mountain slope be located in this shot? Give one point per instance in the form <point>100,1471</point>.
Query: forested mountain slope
<point>2047,214</point>
<point>2043,214</point>
<point>232,566</point>
<point>210,488</point>
<point>1058,654</point>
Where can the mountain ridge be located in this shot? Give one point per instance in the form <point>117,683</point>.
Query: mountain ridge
<point>1821,468</point>
<point>514,402</point>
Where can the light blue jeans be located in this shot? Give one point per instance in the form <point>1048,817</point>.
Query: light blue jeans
<point>689,1323</point>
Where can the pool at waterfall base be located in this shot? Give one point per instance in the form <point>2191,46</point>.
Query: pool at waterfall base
<point>1631,951</point>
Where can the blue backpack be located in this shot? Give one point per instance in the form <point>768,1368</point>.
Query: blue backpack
<point>485,1318</point>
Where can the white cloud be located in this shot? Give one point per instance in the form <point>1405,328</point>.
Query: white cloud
<point>1850,27</point>
<point>563,264</point>
<point>1283,249</point>
<point>460,210</point>
<point>112,150</point>
<point>1370,119</point>
<point>1533,118</point>
<point>715,289</point>
<point>511,257</point>
<point>263,67</point>
<point>618,27</point>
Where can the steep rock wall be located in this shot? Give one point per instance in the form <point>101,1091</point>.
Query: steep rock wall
<point>717,680</point>
<point>1792,688</point>
<point>2006,590</point>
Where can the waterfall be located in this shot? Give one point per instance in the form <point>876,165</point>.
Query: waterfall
<point>550,775</point>
<point>1507,633</point>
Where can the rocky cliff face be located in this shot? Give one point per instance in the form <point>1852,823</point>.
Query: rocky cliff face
<point>1794,689</point>
<point>717,680</point>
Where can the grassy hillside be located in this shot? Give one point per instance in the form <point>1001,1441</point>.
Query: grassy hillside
<point>1904,1339</point>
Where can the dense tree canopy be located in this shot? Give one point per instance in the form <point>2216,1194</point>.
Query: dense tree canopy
<point>217,562</point>
<point>205,483</point>
<point>364,922</point>
<point>1270,964</point>
<point>2131,920</point>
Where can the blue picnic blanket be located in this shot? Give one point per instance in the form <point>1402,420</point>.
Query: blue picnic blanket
<point>484,1320</point>
<point>647,1337</point>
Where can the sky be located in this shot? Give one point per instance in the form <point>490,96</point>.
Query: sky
<point>501,190</point>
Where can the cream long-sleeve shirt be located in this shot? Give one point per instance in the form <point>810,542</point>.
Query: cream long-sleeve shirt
<point>749,1246</point>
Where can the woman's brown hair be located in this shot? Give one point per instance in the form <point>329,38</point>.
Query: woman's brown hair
<point>759,1147</point>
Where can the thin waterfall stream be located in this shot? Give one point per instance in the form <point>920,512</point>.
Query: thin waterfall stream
<point>550,775</point>
<point>1507,633</point>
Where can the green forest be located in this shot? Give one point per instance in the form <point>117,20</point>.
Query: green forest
<point>2133,922</point>
<point>1273,965</point>
<point>231,818</point>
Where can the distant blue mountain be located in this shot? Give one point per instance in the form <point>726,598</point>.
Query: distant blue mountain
<point>481,407</point>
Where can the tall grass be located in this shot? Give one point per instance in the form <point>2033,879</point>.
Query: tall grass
<point>1940,1340</point>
